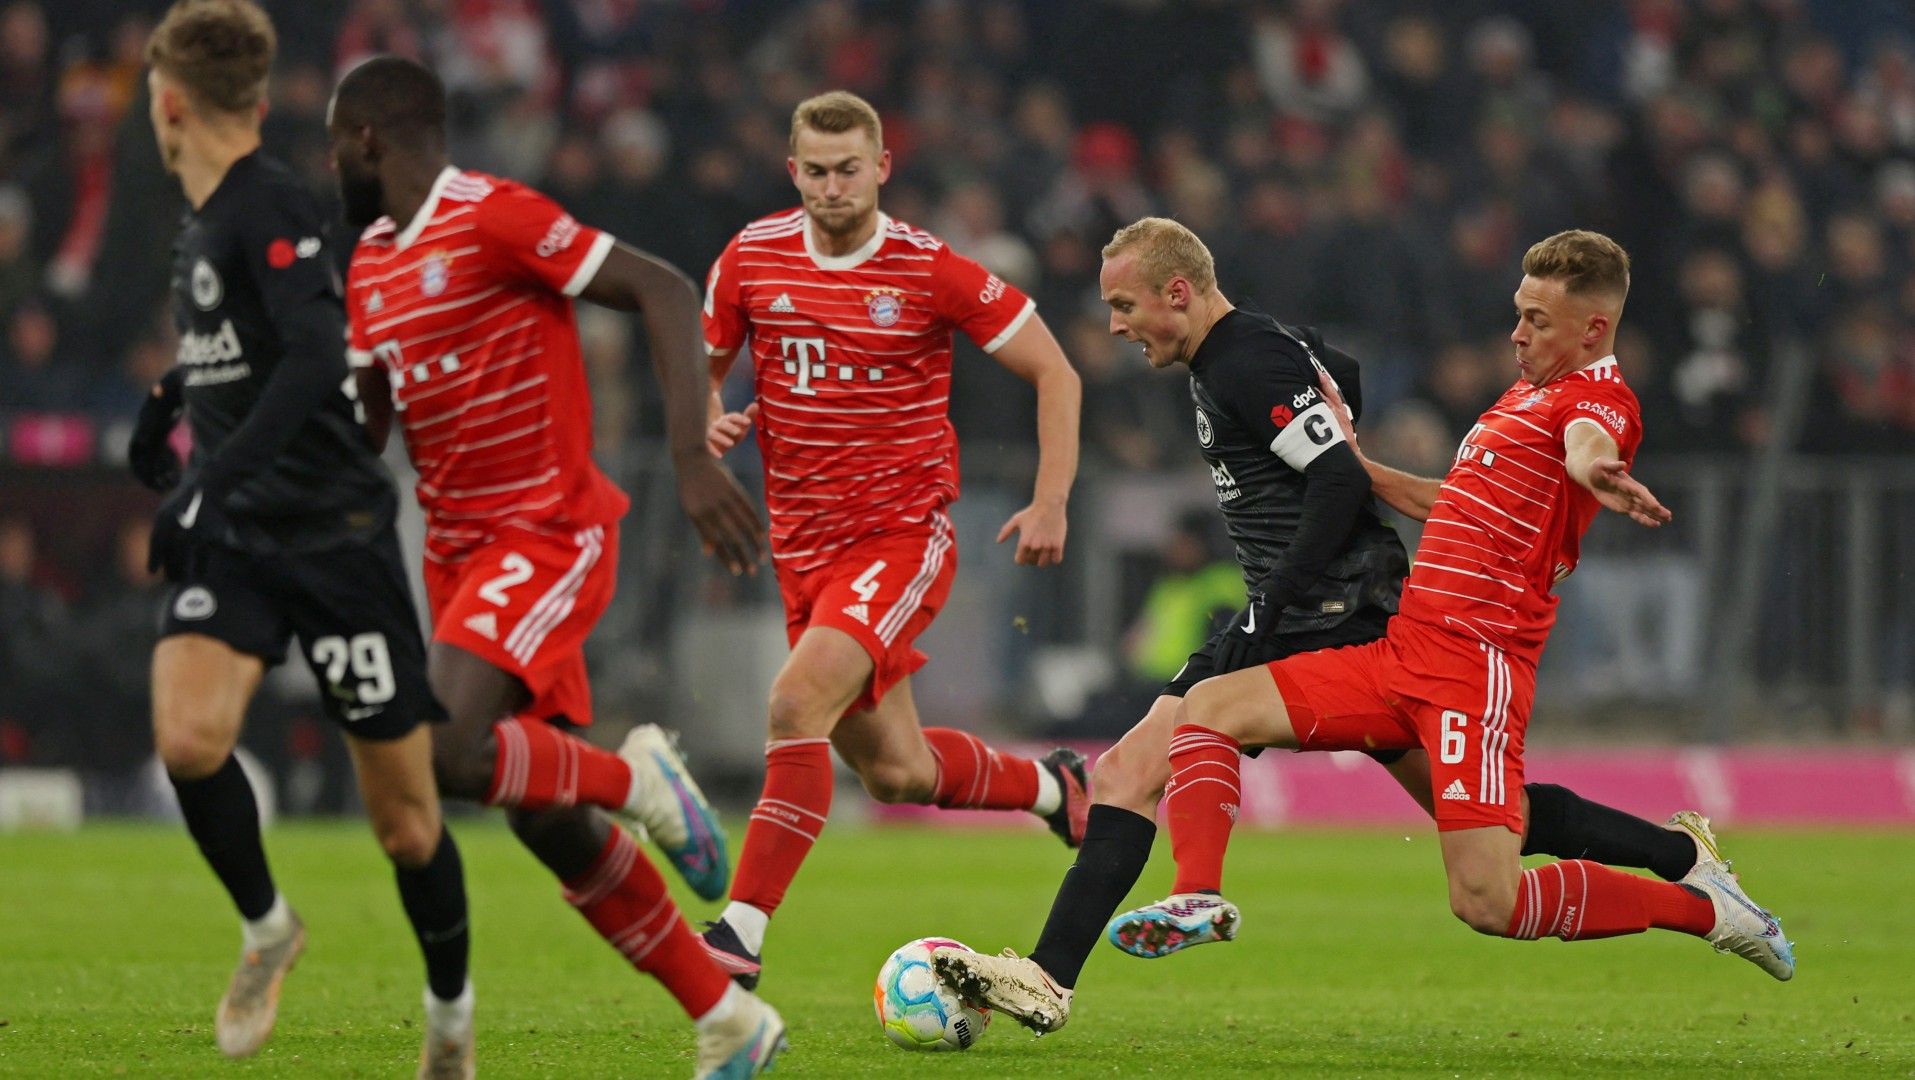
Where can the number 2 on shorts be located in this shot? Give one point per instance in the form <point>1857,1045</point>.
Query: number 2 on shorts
<point>518,569</point>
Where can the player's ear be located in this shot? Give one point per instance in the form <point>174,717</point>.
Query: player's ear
<point>1177,291</point>
<point>884,166</point>
<point>791,168</point>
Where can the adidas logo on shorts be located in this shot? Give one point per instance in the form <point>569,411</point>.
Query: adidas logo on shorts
<point>860,612</point>
<point>1456,792</point>
<point>485,624</point>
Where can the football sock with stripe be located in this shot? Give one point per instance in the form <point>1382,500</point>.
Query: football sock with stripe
<point>1568,826</point>
<point>1200,803</point>
<point>434,898</point>
<point>539,767</point>
<point>1109,861</point>
<point>972,776</point>
<point>785,823</point>
<point>1579,900</point>
<point>622,895</point>
<point>223,818</point>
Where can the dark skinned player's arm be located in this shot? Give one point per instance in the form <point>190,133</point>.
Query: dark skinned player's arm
<point>632,280</point>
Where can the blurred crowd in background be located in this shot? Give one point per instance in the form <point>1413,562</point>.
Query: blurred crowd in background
<point>1376,169</point>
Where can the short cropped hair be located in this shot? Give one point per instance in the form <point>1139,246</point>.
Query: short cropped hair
<point>400,98</point>
<point>219,51</point>
<point>835,112</point>
<point>1584,261</point>
<point>1165,249</point>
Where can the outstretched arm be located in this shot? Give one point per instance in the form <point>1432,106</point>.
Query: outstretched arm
<point>1406,493</point>
<point>1594,461</point>
<point>1034,356</point>
<point>631,280</point>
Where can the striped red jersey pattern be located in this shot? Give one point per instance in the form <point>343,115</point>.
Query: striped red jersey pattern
<point>469,310</point>
<point>1508,522</point>
<point>852,356</point>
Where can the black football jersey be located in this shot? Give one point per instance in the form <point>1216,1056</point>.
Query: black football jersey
<point>260,247</point>
<point>1261,420</point>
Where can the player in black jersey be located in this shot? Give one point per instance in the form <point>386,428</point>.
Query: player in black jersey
<point>281,526</point>
<point>1322,569</point>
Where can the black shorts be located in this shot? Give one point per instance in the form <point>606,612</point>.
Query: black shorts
<point>1365,626</point>
<point>351,609</point>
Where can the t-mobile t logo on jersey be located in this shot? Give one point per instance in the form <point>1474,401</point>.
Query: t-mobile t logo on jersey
<point>809,364</point>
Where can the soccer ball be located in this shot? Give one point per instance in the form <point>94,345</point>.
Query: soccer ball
<point>916,1011</point>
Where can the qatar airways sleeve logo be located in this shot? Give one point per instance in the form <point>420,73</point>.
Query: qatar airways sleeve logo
<point>992,291</point>
<point>559,236</point>
<point>1607,414</point>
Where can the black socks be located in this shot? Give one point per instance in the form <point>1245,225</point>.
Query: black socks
<point>1568,826</point>
<point>1109,861</point>
<point>434,899</point>
<point>223,818</point>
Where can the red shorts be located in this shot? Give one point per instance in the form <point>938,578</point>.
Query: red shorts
<point>883,591</point>
<point>525,602</point>
<point>1464,702</point>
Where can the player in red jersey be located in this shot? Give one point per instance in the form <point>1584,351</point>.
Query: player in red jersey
<point>1455,673</point>
<point>849,316</point>
<point>459,304</point>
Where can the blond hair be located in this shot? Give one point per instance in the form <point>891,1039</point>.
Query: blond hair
<point>1584,261</point>
<point>219,51</point>
<point>836,112</point>
<point>1165,249</point>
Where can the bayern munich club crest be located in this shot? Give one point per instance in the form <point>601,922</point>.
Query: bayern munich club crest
<point>886,306</point>
<point>433,274</point>
<point>1204,435</point>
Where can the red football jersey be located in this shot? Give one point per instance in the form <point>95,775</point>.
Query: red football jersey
<point>469,309</point>
<point>853,368</point>
<point>1508,523</point>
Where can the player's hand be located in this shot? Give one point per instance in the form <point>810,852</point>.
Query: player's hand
<point>149,453</point>
<point>1609,479</point>
<point>722,513</point>
<point>1040,529</point>
<point>1244,638</point>
<point>1339,409</point>
<point>186,519</point>
<point>729,429</point>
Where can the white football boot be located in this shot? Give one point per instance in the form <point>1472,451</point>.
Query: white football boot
<point>251,1005</point>
<point>743,1044</point>
<point>448,1052</point>
<point>1013,985</point>
<point>1741,927</point>
<point>668,806</point>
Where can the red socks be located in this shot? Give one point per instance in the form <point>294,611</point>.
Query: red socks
<point>972,776</point>
<point>540,767</point>
<point>625,900</point>
<point>1201,803</point>
<point>1578,900</point>
<point>786,821</point>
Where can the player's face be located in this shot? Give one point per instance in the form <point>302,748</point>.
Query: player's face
<point>165,105</point>
<point>360,191</point>
<point>1143,314</point>
<point>1551,326</point>
<point>838,177</point>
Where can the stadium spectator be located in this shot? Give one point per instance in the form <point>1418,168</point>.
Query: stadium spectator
<point>34,649</point>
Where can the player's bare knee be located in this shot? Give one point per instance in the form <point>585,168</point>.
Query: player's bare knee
<point>796,712</point>
<point>1121,779</point>
<point>410,839</point>
<point>1208,705</point>
<point>1485,911</point>
<point>894,782</point>
<point>190,750</point>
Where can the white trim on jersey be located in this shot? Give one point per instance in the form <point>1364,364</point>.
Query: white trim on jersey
<point>1299,443</point>
<point>358,359</point>
<point>588,266</point>
<point>846,262</point>
<point>1010,330</point>
<point>423,217</point>
<point>1592,422</point>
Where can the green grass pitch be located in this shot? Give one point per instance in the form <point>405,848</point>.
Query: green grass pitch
<point>115,943</point>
